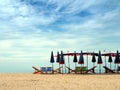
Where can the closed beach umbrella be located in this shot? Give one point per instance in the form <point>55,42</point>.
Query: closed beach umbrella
<point>75,58</point>
<point>117,60</point>
<point>110,60</point>
<point>99,58</point>
<point>81,59</point>
<point>99,61</point>
<point>62,60</point>
<point>52,60</point>
<point>58,57</point>
<point>93,59</point>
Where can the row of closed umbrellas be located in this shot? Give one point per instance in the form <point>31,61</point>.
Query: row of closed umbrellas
<point>60,58</point>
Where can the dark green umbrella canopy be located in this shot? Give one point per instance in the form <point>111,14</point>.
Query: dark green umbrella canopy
<point>110,59</point>
<point>93,58</point>
<point>58,57</point>
<point>61,58</point>
<point>117,60</point>
<point>75,58</point>
<point>52,58</point>
<point>81,59</point>
<point>99,58</point>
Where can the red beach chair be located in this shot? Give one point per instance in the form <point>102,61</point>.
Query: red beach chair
<point>108,70</point>
<point>36,70</point>
<point>92,70</point>
<point>71,70</point>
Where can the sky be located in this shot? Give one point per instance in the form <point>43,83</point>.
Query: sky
<point>31,29</point>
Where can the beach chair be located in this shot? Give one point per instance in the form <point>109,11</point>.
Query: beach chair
<point>49,70</point>
<point>91,70</point>
<point>81,70</point>
<point>44,70</point>
<point>58,70</point>
<point>36,70</point>
<point>70,70</point>
<point>118,69</point>
<point>108,70</point>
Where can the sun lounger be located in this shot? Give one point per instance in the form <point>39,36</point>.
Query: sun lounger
<point>36,70</point>
<point>49,70</point>
<point>42,70</point>
<point>108,70</point>
<point>118,69</point>
<point>45,70</point>
<point>58,70</point>
<point>81,70</point>
<point>92,70</point>
<point>70,70</point>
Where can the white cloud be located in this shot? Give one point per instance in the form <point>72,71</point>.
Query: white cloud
<point>5,44</point>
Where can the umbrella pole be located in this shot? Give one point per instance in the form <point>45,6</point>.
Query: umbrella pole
<point>105,62</point>
<point>62,69</point>
<point>52,69</point>
<point>81,68</point>
<point>110,65</point>
<point>75,65</point>
<point>87,61</point>
<point>68,64</point>
<point>115,67</point>
<point>59,69</point>
<point>99,69</point>
<point>65,67</point>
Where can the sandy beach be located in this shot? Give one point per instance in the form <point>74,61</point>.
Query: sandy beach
<point>59,82</point>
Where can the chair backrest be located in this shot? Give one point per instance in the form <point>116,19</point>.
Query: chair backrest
<point>84,68</point>
<point>49,69</point>
<point>43,69</point>
<point>78,69</point>
<point>118,68</point>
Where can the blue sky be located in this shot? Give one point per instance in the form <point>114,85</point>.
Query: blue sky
<point>31,29</point>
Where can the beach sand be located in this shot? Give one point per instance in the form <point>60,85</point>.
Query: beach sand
<point>58,82</point>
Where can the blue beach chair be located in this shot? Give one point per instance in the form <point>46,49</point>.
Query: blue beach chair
<point>118,69</point>
<point>44,69</point>
<point>49,70</point>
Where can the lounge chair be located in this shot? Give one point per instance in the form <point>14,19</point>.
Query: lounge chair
<point>36,70</point>
<point>43,70</point>
<point>57,70</point>
<point>81,70</point>
<point>118,69</point>
<point>70,70</point>
<point>92,70</point>
<point>46,70</point>
<point>108,70</point>
<point>49,70</point>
